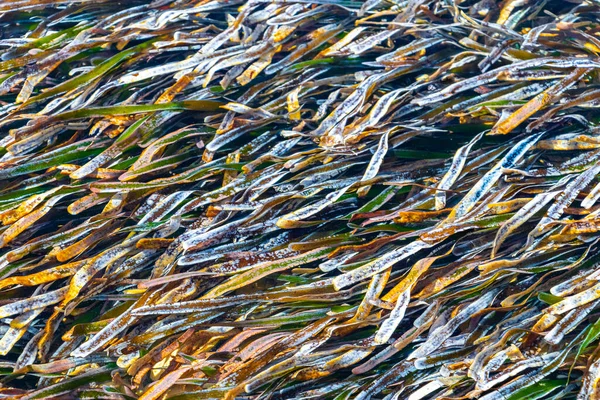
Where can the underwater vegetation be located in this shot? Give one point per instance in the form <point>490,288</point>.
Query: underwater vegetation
<point>299,199</point>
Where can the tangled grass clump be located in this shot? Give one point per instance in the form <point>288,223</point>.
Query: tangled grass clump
<point>299,199</point>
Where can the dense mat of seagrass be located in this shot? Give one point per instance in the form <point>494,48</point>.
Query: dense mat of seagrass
<point>299,199</point>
